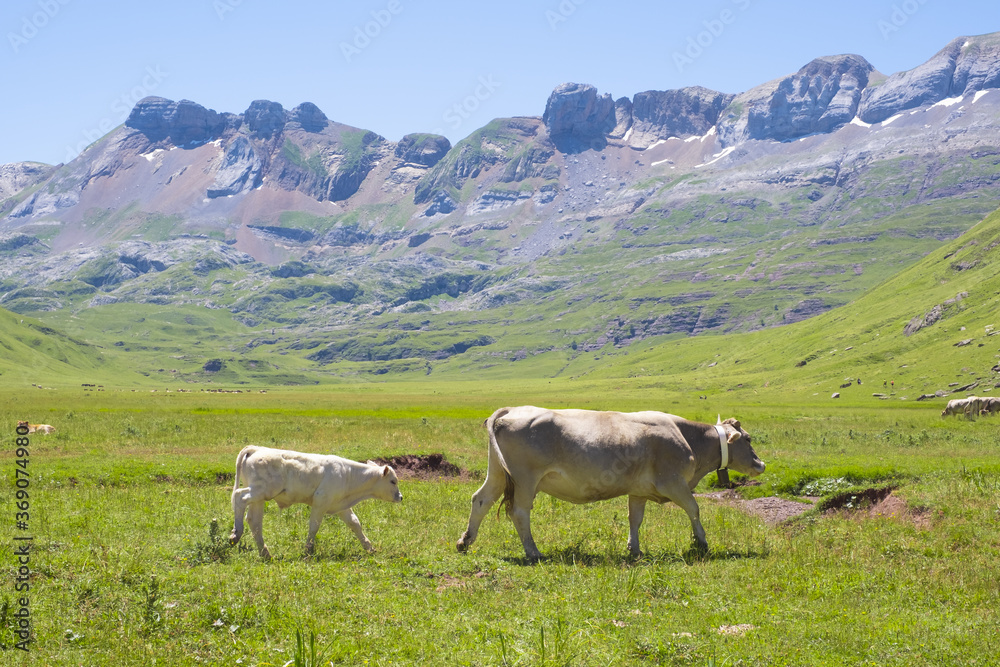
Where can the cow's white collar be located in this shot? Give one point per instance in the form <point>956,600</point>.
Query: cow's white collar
<point>724,445</point>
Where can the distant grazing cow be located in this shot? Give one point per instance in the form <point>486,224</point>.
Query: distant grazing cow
<point>956,406</point>
<point>329,484</point>
<point>991,405</point>
<point>581,456</point>
<point>973,406</point>
<point>36,428</point>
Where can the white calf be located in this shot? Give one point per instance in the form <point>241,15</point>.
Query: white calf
<point>329,484</point>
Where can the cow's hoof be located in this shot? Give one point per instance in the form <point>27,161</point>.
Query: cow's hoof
<point>463,544</point>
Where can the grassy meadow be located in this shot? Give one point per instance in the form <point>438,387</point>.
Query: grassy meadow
<point>127,568</point>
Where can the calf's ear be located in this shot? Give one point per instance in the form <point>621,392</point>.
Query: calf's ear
<point>386,470</point>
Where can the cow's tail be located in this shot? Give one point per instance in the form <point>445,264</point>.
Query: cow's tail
<point>496,458</point>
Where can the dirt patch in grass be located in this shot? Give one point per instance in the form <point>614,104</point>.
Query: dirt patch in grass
<point>772,510</point>
<point>425,466</point>
<point>884,503</point>
<point>857,499</point>
<point>864,504</point>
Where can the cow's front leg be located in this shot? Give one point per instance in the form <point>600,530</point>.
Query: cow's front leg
<point>352,522</point>
<point>677,490</point>
<point>636,511</point>
<point>255,517</point>
<point>685,500</point>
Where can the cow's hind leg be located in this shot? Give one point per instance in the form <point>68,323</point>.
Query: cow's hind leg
<point>482,501</point>
<point>315,521</point>
<point>636,510</point>
<point>255,517</point>
<point>239,502</point>
<point>520,516</point>
<point>352,522</point>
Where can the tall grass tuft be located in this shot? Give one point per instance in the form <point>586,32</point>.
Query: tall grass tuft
<point>215,550</point>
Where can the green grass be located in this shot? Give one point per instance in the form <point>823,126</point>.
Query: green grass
<point>128,568</point>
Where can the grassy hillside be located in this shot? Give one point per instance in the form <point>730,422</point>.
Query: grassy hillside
<point>34,353</point>
<point>958,284</point>
<point>864,339</point>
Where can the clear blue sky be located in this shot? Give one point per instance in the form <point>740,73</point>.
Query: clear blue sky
<point>71,68</point>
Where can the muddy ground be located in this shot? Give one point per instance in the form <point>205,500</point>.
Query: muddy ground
<point>426,467</point>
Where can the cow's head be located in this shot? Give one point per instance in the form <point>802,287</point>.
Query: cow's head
<point>387,486</point>
<point>742,457</point>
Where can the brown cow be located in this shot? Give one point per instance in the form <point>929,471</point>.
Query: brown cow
<point>581,456</point>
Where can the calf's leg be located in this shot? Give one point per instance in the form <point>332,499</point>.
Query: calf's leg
<point>352,522</point>
<point>315,520</point>
<point>255,517</point>
<point>239,502</point>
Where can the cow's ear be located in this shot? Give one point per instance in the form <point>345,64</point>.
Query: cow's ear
<point>371,463</point>
<point>386,470</point>
<point>733,437</point>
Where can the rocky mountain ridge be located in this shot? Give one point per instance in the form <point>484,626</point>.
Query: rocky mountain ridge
<point>671,212</point>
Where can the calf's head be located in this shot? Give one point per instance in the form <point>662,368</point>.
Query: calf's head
<point>742,457</point>
<point>387,486</point>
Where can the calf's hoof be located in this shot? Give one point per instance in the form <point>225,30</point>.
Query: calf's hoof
<point>463,543</point>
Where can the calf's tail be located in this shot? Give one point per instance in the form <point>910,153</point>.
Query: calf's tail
<point>239,467</point>
<point>496,456</point>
